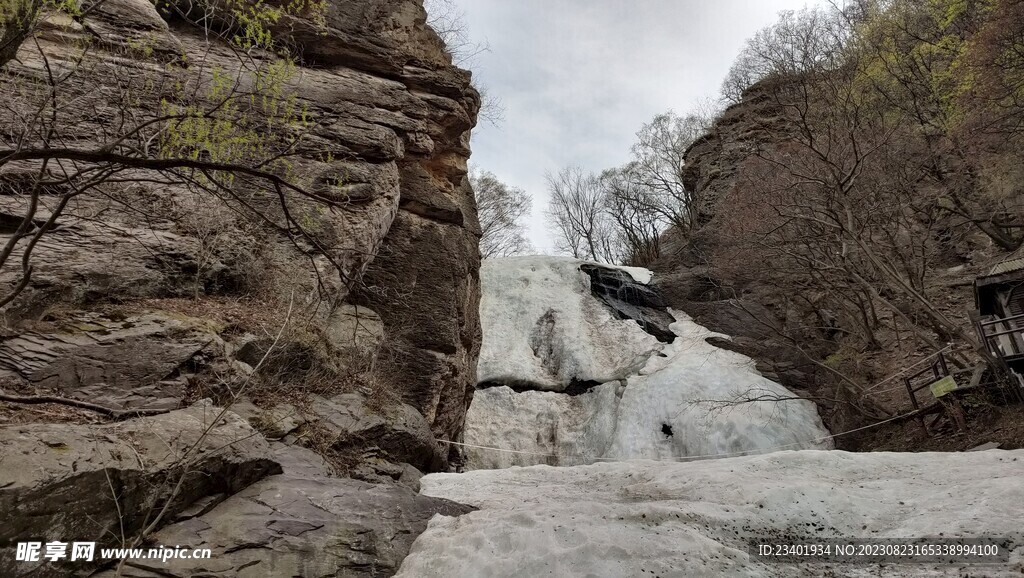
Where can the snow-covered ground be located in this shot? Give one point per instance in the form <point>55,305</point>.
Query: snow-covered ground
<point>694,390</point>
<point>646,518</point>
<point>543,327</point>
<point>673,515</point>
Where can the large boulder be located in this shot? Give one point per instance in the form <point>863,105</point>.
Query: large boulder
<point>300,526</point>
<point>137,361</point>
<point>393,432</point>
<point>82,483</point>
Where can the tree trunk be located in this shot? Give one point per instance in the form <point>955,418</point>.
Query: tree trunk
<point>16,27</point>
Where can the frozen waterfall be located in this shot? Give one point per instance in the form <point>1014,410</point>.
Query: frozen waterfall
<point>565,381</point>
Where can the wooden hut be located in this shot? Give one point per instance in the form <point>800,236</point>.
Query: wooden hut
<point>999,299</point>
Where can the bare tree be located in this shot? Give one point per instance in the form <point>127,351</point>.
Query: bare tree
<point>799,42</point>
<point>658,159</point>
<point>619,215</point>
<point>952,69</point>
<point>634,208</point>
<point>836,205</point>
<point>448,20</point>
<point>577,213</point>
<point>501,209</point>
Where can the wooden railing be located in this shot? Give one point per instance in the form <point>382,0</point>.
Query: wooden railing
<point>938,369</point>
<point>990,338</point>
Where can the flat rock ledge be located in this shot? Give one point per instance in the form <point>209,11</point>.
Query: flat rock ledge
<point>295,526</point>
<point>82,483</point>
<point>262,508</point>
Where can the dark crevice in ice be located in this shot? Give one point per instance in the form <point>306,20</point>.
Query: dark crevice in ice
<point>575,387</point>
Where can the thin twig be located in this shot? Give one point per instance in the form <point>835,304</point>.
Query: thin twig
<point>116,414</point>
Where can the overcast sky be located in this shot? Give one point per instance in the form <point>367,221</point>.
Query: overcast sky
<point>577,78</point>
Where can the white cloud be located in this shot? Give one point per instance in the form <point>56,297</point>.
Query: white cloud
<point>577,78</point>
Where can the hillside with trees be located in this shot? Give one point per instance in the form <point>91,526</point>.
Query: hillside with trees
<point>864,169</point>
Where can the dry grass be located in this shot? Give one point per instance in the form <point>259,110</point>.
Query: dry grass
<point>321,441</point>
<point>302,365</point>
<point>232,315</point>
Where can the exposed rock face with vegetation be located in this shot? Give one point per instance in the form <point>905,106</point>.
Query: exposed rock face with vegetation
<point>855,187</point>
<point>261,205</point>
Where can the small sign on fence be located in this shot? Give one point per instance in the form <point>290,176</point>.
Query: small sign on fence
<point>943,386</point>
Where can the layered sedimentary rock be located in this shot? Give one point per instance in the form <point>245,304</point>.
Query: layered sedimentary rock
<point>76,482</point>
<point>151,293</point>
<point>388,145</point>
<point>425,284</point>
<point>687,272</point>
<point>300,526</point>
<point>205,479</point>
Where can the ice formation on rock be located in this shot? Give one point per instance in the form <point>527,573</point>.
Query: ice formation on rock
<point>645,518</point>
<point>656,400</point>
<point>575,428</point>
<point>539,331</point>
<point>701,394</point>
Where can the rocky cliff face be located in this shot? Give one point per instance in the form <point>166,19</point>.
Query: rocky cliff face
<point>393,117</point>
<point>790,315</point>
<point>148,294</point>
<point>712,160</point>
<point>687,275</point>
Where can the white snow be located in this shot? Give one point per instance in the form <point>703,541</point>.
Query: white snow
<point>543,327</point>
<point>645,518</point>
<point>688,388</point>
<point>639,274</point>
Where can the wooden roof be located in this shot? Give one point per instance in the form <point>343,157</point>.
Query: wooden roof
<point>1008,267</point>
<point>1008,272</point>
